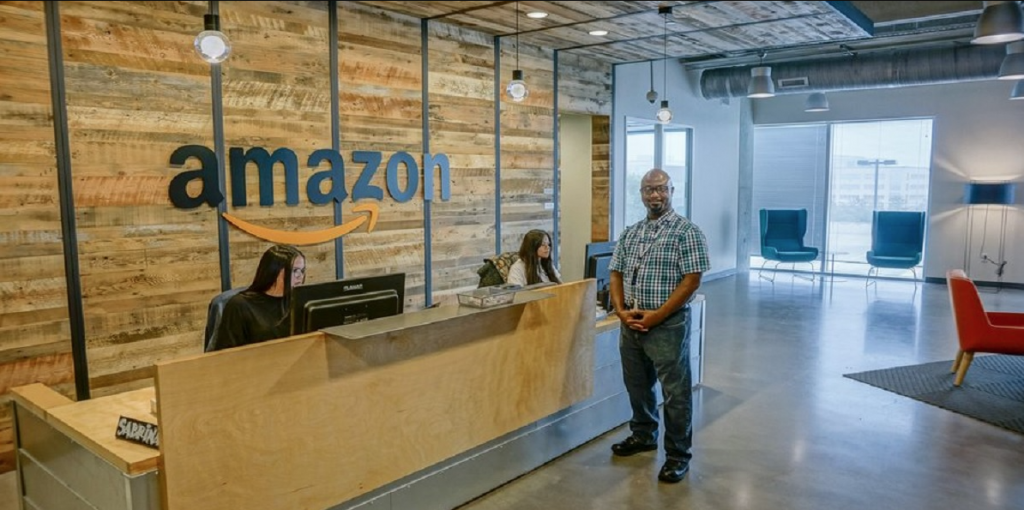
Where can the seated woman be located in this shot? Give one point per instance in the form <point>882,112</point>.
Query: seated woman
<point>534,264</point>
<point>261,312</point>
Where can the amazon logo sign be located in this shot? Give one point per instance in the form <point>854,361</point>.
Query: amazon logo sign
<point>400,164</point>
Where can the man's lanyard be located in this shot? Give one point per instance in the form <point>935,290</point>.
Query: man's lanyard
<point>643,254</point>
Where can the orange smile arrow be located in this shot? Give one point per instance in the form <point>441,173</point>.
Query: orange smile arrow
<point>310,237</point>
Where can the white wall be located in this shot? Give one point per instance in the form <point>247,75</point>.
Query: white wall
<point>977,136</point>
<point>716,150</point>
<point>575,195</point>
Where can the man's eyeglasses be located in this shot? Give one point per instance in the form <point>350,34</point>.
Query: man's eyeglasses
<point>650,190</point>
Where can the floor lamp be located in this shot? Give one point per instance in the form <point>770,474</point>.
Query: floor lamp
<point>987,193</point>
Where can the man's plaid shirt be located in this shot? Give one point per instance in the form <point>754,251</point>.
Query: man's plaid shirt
<point>653,256</point>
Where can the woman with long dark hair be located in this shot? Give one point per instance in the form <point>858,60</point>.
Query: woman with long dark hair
<point>534,264</point>
<point>260,312</point>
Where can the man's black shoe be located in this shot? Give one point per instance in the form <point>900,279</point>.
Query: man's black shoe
<point>673,471</point>
<point>632,446</point>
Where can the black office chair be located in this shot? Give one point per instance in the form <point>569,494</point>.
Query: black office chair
<point>213,314</point>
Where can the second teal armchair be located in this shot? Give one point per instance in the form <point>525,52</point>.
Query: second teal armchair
<point>897,241</point>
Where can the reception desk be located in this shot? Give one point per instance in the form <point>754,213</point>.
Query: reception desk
<point>410,413</point>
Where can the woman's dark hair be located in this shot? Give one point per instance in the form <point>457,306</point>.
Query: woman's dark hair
<point>528,254</point>
<point>277,258</point>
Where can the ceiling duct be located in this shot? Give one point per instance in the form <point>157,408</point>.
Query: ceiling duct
<point>896,68</point>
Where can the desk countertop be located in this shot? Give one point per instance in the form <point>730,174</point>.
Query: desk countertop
<point>93,423</point>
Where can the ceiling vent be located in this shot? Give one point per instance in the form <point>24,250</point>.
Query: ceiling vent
<point>791,83</point>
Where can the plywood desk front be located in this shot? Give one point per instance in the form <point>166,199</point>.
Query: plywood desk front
<point>316,420</point>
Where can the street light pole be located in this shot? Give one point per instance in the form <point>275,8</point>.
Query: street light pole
<point>876,163</point>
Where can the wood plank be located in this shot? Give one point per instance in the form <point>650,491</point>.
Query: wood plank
<point>449,386</point>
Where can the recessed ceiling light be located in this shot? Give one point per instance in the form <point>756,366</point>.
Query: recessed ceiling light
<point>599,32</point>
<point>537,15</point>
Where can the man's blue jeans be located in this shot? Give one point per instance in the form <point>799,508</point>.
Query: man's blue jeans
<point>663,354</point>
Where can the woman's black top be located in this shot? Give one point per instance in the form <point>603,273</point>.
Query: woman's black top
<point>252,317</point>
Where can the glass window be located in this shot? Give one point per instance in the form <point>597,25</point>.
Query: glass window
<point>876,166</point>
<point>651,145</point>
<point>789,173</point>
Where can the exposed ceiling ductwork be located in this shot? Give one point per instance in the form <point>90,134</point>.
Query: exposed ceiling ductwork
<point>898,68</point>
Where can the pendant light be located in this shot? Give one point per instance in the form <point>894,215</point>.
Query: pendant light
<point>1012,67</point>
<point>517,90</point>
<point>1018,91</point>
<point>652,95</point>
<point>211,44</point>
<point>1000,22</point>
<point>816,102</point>
<point>761,84</point>
<point>664,114</point>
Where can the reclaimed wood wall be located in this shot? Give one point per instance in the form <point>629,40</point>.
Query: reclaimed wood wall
<point>600,179</point>
<point>136,92</point>
<point>35,342</point>
<point>277,93</point>
<point>381,109</point>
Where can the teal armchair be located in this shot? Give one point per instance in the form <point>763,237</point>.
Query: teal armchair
<point>897,241</point>
<point>782,238</point>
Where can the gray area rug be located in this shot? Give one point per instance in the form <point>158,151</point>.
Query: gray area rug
<point>993,390</point>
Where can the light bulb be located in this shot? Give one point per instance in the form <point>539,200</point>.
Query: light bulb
<point>664,115</point>
<point>516,89</point>
<point>211,44</point>
<point>652,96</point>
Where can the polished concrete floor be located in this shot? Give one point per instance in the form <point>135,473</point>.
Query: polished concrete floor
<point>777,426</point>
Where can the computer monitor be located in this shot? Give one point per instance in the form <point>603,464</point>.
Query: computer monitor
<point>336,303</point>
<point>598,258</point>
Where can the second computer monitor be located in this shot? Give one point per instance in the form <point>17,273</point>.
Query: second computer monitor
<point>598,259</point>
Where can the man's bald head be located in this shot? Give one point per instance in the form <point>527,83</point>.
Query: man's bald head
<point>656,193</point>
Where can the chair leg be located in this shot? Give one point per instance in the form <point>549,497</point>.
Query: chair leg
<point>869,281</point>
<point>760,272</point>
<point>956,361</point>
<point>964,365</point>
<point>802,277</point>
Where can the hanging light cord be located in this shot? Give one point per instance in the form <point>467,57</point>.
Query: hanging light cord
<point>652,75</point>
<point>517,35</point>
<point>665,60</point>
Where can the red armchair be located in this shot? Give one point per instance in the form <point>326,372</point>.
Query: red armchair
<point>978,330</point>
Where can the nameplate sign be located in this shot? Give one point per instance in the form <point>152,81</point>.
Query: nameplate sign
<point>138,432</point>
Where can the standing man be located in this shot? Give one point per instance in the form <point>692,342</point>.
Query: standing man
<point>655,270</point>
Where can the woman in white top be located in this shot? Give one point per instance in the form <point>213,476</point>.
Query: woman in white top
<point>534,264</point>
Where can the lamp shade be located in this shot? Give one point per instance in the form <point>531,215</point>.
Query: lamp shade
<point>761,84</point>
<point>1013,64</point>
<point>990,193</point>
<point>1000,22</point>
<point>1018,91</point>
<point>816,102</point>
